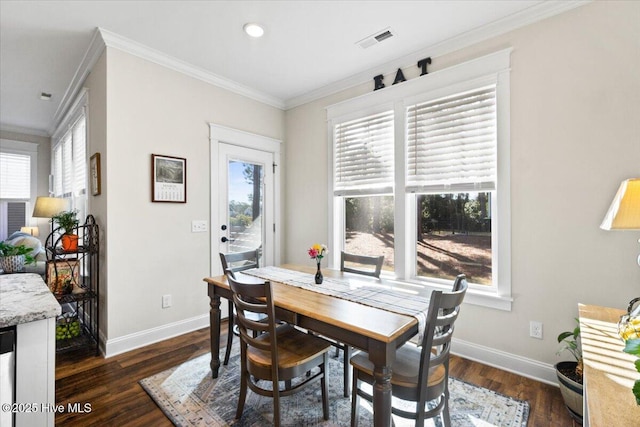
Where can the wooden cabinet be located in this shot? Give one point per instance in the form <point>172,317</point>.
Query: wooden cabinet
<point>609,373</point>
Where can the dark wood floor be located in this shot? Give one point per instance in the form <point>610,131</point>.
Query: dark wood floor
<point>111,385</point>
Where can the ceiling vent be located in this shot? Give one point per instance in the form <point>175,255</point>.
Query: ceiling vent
<point>376,38</point>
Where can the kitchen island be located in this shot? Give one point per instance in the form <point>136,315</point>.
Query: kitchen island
<point>27,304</point>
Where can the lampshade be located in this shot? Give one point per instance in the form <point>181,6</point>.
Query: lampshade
<point>47,207</point>
<point>624,212</point>
<point>31,230</point>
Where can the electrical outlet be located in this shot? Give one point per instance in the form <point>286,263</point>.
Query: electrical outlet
<point>535,329</point>
<point>166,301</point>
<point>199,226</point>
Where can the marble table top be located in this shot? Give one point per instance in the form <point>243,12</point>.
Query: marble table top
<point>25,298</point>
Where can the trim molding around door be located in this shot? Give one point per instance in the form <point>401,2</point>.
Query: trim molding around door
<point>225,135</point>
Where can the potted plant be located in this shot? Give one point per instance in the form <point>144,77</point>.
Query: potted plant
<point>68,222</point>
<point>14,258</point>
<point>570,372</point>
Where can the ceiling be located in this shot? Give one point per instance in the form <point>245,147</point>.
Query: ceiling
<point>308,46</point>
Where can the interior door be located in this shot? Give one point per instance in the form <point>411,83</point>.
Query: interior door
<point>246,201</point>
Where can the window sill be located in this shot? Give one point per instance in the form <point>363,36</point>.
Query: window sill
<point>474,296</point>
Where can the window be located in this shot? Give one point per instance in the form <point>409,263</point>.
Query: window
<point>18,167</point>
<point>451,146</point>
<point>69,158</point>
<point>421,175</point>
<point>363,182</point>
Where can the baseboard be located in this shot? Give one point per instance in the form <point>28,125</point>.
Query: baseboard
<point>140,339</point>
<point>523,366</point>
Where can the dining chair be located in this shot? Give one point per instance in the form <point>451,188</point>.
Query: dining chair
<point>354,263</point>
<point>358,264</point>
<point>235,262</point>
<point>279,353</point>
<point>419,374</point>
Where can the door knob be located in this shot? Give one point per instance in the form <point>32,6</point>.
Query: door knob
<point>224,239</point>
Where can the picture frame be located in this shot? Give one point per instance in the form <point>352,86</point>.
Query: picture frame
<point>168,179</point>
<point>63,276</point>
<point>96,180</point>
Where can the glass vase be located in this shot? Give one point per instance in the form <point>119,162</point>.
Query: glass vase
<point>318,277</point>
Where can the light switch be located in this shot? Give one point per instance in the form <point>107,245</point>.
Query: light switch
<point>199,226</point>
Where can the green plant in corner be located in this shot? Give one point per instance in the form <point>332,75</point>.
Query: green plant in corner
<point>569,373</point>
<point>632,346</point>
<point>7,249</point>
<point>570,341</point>
<point>67,220</point>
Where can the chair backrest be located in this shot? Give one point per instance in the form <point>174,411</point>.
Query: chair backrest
<point>240,261</point>
<point>444,308</point>
<point>255,301</point>
<point>361,260</point>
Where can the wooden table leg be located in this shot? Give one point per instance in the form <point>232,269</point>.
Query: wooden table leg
<point>214,330</point>
<point>382,357</point>
<point>382,396</point>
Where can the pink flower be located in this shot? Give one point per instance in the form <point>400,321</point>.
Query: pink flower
<point>317,251</point>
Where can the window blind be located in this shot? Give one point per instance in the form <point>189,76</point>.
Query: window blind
<point>79,158</point>
<point>452,143</point>
<point>15,176</point>
<point>364,155</point>
<point>70,163</point>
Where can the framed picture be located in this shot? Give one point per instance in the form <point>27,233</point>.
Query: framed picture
<point>62,276</point>
<point>94,164</point>
<point>169,179</point>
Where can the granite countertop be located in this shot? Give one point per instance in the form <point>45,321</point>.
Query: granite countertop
<point>25,298</point>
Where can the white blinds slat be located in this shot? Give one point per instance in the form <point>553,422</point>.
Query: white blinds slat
<point>364,155</point>
<point>15,176</point>
<point>452,143</point>
<point>79,158</point>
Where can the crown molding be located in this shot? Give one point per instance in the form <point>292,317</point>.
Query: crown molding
<point>116,41</point>
<point>103,38</point>
<point>531,15</point>
<point>4,127</point>
<point>91,56</point>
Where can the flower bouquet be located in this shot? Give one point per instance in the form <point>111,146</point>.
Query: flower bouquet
<point>317,252</point>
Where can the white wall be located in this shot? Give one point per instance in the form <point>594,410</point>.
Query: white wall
<point>575,135</point>
<point>149,248</point>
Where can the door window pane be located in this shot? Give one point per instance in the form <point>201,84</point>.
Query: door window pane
<point>245,206</point>
<point>454,236</point>
<point>369,227</point>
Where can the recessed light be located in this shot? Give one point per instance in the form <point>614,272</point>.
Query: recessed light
<point>253,30</point>
<point>45,96</point>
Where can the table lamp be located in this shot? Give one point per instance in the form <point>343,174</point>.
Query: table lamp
<point>30,230</point>
<point>624,212</point>
<point>47,207</point>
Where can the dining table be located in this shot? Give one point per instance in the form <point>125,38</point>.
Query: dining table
<point>378,331</point>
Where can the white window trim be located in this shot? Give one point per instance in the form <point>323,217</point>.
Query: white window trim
<point>493,68</point>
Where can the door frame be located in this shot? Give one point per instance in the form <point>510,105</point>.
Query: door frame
<point>224,135</point>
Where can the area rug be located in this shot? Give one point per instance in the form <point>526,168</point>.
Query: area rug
<point>190,397</point>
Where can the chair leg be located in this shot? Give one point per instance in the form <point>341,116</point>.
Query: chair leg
<point>355,408</point>
<point>347,370</point>
<point>227,352</point>
<point>446,419</point>
<point>243,391</point>
<point>276,404</point>
<point>324,383</point>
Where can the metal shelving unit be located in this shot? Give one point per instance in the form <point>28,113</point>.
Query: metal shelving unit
<point>83,265</point>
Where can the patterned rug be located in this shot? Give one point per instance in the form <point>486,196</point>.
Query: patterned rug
<point>190,397</point>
